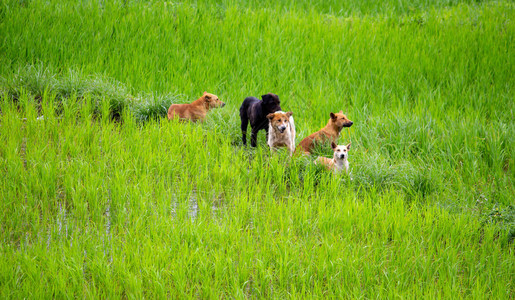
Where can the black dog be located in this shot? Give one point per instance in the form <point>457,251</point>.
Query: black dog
<point>254,110</point>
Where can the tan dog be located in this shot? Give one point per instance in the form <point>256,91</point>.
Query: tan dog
<point>281,131</point>
<point>339,160</point>
<point>330,132</point>
<point>196,110</point>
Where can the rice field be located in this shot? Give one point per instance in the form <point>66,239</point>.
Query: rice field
<point>103,197</point>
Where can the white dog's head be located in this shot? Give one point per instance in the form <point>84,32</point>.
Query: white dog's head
<point>341,152</point>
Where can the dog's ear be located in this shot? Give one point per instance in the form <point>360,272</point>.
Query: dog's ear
<point>289,114</point>
<point>341,112</point>
<point>270,116</point>
<point>333,116</point>
<point>207,97</point>
<point>348,146</point>
<point>265,97</point>
<point>333,145</point>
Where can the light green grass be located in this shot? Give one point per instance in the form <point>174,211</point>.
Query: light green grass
<point>142,207</point>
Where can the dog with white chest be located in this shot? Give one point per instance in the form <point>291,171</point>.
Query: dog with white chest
<point>339,160</point>
<point>281,131</point>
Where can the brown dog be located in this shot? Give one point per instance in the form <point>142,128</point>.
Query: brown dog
<point>330,132</point>
<point>196,110</point>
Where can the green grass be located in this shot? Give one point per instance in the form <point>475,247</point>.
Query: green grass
<point>103,197</point>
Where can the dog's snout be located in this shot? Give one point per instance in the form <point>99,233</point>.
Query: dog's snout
<point>350,123</point>
<point>223,104</point>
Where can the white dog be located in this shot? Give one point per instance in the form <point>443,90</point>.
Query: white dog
<point>281,131</point>
<point>339,160</point>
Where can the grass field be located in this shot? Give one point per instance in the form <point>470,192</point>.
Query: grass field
<point>103,197</point>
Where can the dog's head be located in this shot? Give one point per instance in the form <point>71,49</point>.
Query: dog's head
<point>341,152</point>
<point>340,120</point>
<point>212,101</point>
<point>271,103</point>
<point>280,121</point>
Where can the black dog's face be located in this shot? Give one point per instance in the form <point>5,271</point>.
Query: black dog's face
<point>271,103</point>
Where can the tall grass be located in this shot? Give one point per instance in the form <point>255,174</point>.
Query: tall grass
<point>92,208</point>
<point>150,208</point>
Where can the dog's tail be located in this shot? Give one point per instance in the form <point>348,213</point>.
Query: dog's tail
<point>242,110</point>
<point>292,129</point>
<point>244,123</point>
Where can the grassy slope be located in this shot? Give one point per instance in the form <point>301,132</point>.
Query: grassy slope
<point>94,208</point>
